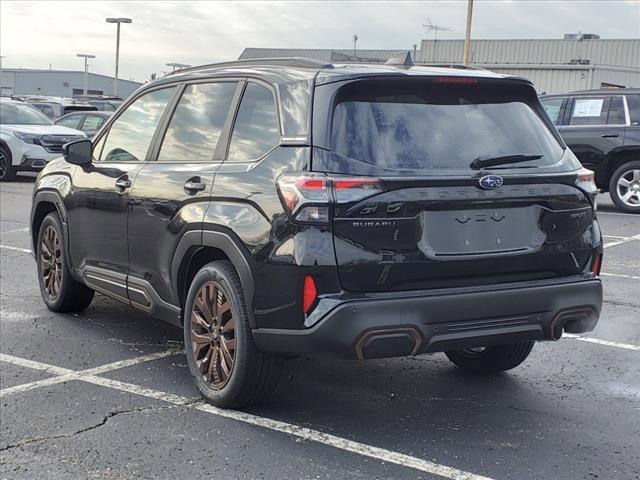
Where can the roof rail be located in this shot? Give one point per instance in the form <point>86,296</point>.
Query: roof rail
<point>294,62</point>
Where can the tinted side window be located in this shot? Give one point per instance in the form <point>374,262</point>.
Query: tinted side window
<point>616,111</point>
<point>197,123</point>
<point>633,102</point>
<point>130,135</point>
<point>589,111</point>
<point>72,121</point>
<point>552,107</point>
<point>256,130</point>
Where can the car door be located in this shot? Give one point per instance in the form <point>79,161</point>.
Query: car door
<point>99,203</point>
<point>632,132</point>
<point>593,127</point>
<point>171,193</point>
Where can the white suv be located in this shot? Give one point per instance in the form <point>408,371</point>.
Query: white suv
<point>28,139</point>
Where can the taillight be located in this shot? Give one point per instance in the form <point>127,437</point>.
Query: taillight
<point>309,294</point>
<point>346,189</point>
<point>586,181</point>
<point>307,197</point>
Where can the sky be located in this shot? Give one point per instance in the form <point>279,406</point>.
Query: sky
<point>40,34</point>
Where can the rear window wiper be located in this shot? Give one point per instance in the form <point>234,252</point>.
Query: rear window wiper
<point>480,162</point>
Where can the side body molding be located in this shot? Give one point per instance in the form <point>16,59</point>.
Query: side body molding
<point>195,239</point>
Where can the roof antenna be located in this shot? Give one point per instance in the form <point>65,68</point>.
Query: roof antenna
<point>430,27</point>
<point>401,59</point>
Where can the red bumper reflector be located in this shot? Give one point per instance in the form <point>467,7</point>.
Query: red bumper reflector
<point>597,265</point>
<point>309,294</point>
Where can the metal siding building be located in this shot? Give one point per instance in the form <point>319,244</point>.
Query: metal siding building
<point>554,66</point>
<point>322,54</point>
<point>622,53</point>
<point>60,83</point>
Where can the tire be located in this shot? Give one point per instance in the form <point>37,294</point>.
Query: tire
<point>7,170</point>
<point>629,174</point>
<point>65,294</point>
<point>223,335</point>
<point>491,359</point>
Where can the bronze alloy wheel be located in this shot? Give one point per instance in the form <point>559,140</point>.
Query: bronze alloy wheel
<point>213,335</point>
<point>51,262</point>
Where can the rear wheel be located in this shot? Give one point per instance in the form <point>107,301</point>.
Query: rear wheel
<point>228,369</point>
<point>7,170</point>
<point>624,187</point>
<point>494,359</point>
<point>60,292</point>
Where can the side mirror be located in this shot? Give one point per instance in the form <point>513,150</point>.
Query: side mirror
<point>78,153</point>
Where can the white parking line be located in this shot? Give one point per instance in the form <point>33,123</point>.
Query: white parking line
<point>598,341</point>
<point>65,375</point>
<point>17,249</point>
<point>304,433</point>
<point>619,275</point>
<point>7,232</point>
<point>621,241</point>
<point>618,213</point>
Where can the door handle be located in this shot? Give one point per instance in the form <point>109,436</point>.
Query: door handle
<point>122,184</point>
<point>610,135</point>
<point>194,185</point>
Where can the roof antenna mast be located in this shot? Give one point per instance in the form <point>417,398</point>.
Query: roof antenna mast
<point>431,27</point>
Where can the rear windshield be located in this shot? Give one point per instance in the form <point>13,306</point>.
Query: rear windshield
<point>416,126</point>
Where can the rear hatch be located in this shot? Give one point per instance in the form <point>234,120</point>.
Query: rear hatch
<point>411,212</point>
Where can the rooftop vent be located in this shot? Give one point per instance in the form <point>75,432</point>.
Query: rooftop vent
<point>581,36</point>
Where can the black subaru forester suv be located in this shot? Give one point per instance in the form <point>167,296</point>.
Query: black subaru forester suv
<point>285,206</point>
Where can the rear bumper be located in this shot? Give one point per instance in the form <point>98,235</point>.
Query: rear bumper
<point>385,327</point>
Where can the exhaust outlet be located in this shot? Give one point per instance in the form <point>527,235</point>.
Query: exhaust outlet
<point>579,320</point>
<point>388,342</point>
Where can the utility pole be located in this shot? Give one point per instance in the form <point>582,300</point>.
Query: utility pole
<point>86,69</point>
<point>1,57</point>
<point>117,21</point>
<point>467,37</point>
<point>355,42</point>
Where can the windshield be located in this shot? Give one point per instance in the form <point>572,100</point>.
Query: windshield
<point>406,125</point>
<point>18,114</point>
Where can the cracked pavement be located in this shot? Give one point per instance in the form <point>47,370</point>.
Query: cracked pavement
<point>571,412</point>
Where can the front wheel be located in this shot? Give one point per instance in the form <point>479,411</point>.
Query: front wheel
<point>229,370</point>
<point>624,187</point>
<point>494,359</point>
<point>7,170</point>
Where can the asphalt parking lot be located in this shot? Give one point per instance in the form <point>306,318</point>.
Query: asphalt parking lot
<point>107,395</point>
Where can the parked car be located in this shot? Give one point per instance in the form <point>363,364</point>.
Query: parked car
<point>602,127</point>
<point>28,139</point>
<point>423,210</point>
<point>55,108</point>
<point>88,122</point>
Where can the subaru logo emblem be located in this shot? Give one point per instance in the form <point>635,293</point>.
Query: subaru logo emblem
<point>491,182</point>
